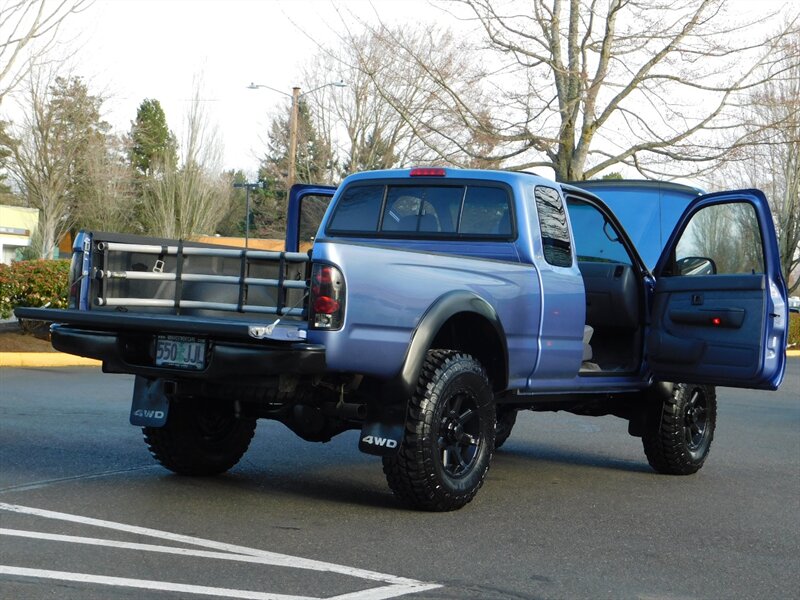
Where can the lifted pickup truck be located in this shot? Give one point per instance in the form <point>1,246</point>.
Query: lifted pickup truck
<point>434,304</point>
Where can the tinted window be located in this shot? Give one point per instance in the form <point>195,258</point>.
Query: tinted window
<point>448,210</point>
<point>553,224</point>
<point>358,209</point>
<point>726,234</point>
<point>312,209</point>
<point>486,212</point>
<point>596,240</point>
<point>424,209</point>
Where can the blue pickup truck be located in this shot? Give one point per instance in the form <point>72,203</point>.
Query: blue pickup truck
<point>425,307</point>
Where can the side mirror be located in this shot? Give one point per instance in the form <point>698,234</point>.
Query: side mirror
<point>695,265</point>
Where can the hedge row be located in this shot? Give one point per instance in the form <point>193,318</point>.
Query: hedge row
<point>33,283</point>
<point>794,330</point>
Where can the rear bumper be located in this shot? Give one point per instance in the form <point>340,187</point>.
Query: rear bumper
<point>226,360</point>
<point>125,343</point>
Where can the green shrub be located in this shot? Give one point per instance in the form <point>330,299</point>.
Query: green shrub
<point>33,283</point>
<point>794,329</point>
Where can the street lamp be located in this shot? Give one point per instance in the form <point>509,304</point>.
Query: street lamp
<point>295,96</point>
<point>247,187</point>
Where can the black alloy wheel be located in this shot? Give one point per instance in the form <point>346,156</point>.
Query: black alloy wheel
<point>695,421</point>
<point>459,434</point>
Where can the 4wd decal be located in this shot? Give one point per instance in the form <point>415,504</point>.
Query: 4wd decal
<point>149,414</point>
<point>150,405</point>
<point>379,441</point>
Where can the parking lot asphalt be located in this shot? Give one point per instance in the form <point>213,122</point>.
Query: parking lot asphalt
<point>570,510</point>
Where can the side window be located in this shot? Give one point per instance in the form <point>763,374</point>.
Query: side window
<point>486,212</point>
<point>596,240</point>
<point>553,223</point>
<point>358,209</point>
<point>312,209</point>
<point>721,239</point>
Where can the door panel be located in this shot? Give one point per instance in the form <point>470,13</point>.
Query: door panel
<point>708,327</point>
<point>719,305</point>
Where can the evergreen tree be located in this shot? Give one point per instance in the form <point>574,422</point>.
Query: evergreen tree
<point>233,223</point>
<point>375,153</point>
<point>153,145</point>
<point>314,164</point>
<point>78,129</point>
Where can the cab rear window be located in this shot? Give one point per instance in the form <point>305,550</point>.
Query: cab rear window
<point>423,211</point>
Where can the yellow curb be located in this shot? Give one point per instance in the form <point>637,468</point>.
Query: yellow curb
<point>45,359</point>
<point>793,353</point>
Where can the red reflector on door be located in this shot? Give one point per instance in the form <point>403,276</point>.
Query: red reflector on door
<point>716,321</point>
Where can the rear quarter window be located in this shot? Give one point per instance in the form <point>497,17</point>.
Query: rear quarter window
<point>556,242</point>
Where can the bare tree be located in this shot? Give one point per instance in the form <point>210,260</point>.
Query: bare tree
<point>380,86</point>
<point>394,110</point>
<point>107,203</point>
<point>585,85</point>
<point>189,200</point>
<point>770,160</point>
<point>28,29</point>
<point>48,149</point>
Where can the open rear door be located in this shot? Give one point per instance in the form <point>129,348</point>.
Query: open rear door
<point>307,206</point>
<point>719,310</point>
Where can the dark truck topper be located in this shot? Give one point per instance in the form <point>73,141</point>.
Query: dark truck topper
<point>426,307</point>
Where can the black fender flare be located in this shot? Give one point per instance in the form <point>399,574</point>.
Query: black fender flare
<point>383,429</point>
<point>445,307</point>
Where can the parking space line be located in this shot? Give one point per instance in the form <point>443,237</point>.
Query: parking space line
<point>145,584</point>
<point>384,592</point>
<point>74,539</point>
<point>398,586</point>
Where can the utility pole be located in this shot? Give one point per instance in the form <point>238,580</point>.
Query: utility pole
<point>292,175</point>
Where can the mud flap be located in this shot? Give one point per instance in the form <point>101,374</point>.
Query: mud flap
<point>150,405</point>
<point>383,429</point>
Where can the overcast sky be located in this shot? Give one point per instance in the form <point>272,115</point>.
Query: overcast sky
<point>130,50</point>
<point>136,49</point>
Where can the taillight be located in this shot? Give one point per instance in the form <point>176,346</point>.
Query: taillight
<point>75,267</point>
<point>326,306</point>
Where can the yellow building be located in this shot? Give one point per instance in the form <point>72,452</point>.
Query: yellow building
<point>17,225</point>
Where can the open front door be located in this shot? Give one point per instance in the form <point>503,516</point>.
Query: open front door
<point>307,206</point>
<point>719,310</point>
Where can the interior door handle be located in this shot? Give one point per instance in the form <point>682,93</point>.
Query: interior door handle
<point>730,318</point>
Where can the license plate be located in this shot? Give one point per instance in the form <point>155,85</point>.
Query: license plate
<point>181,352</point>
